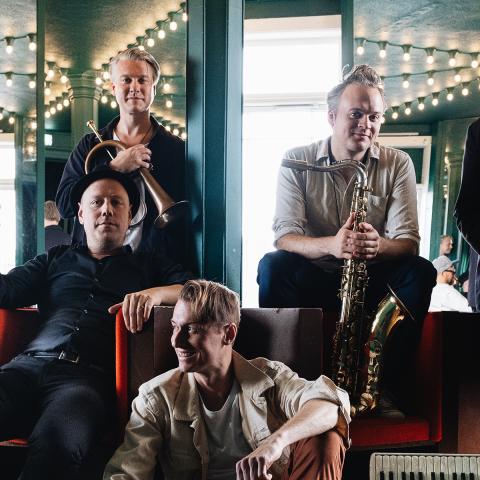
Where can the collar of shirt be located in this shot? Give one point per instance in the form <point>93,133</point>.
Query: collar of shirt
<point>125,250</point>
<point>323,156</point>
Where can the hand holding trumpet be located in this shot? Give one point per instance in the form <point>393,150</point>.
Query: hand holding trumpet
<point>132,158</point>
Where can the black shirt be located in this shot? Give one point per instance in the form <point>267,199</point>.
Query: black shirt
<point>168,161</point>
<point>74,290</point>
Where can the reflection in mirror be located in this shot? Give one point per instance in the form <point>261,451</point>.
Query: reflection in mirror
<point>17,132</point>
<point>80,39</point>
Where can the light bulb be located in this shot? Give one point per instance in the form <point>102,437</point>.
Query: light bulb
<point>48,91</point>
<point>429,58</point>
<point>31,83</point>
<point>383,49</point>
<point>168,128</point>
<point>63,78</point>
<point>184,16</point>
<point>150,42</point>
<point>452,61</point>
<point>406,82</point>
<point>66,102</point>
<point>474,62</point>
<point>166,87</point>
<point>32,44</point>
<point>449,94</point>
<point>98,80</point>
<point>11,119</point>
<point>9,47</point>
<point>421,106</point>
<point>33,125</point>
<point>9,79</point>
<point>176,131</point>
<point>113,104</point>
<point>395,115</point>
<point>104,99</point>
<point>173,25</point>
<point>408,109</point>
<point>435,98</point>
<point>50,69</point>
<point>360,46</point>
<point>161,34</point>
<point>430,79</point>
<point>183,136</point>
<point>47,114</point>
<point>169,103</point>
<point>406,52</point>
<point>465,90</point>
<point>53,110</point>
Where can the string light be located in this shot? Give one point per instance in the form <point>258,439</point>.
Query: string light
<point>183,6</point>
<point>63,76</point>
<point>98,79</point>
<point>66,100</point>
<point>161,34</point>
<point>395,112</point>
<point>408,109</point>
<point>360,46</point>
<point>406,82</point>
<point>8,79</point>
<point>105,72</point>
<point>48,89</point>
<point>382,53</point>
<point>31,83</point>
<point>406,52</point>
<point>430,79</point>
<point>465,90</point>
<point>450,94</point>
<point>52,108</point>
<point>150,40</point>
<point>474,62</point>
<point>430,51</point>
<point>169,103</point>
<point>104,98</point>
<point>47,114</point>
<point>9,47</point>
<point>113,104</point>
<point>172,23</point>
<point>59,105</point>
<point>435,96</point>
<point>183,135</point>
<point>32,42</point>
<point>421,103</point>
<point>33,125</point>
<point>140,43</point>
<point>457,77</point>
<point>50,70</point>
<point>452,61</point>
<point>11,118</point>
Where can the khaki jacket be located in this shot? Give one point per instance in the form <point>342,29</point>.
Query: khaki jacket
<point>166,425</point>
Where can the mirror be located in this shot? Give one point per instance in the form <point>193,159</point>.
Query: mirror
<point>81,37</point>
<point>18,24</point>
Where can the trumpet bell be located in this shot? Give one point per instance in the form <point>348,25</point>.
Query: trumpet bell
<point>172,213</point>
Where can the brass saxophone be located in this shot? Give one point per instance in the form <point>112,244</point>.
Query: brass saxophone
<point>360,336</point>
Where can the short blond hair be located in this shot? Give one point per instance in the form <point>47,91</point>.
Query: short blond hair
<point>363,75</point>
<point>211,302</point>
<point>135,53</point>
<point>51,211</point>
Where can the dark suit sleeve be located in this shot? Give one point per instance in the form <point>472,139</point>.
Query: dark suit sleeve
<point>23,286</point>
<point>466,210</point>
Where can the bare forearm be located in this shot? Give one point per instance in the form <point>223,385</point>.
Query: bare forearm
<point>164,295</point>
<point>314,418</point>
<point>398,247</point>
<point>309,247</point>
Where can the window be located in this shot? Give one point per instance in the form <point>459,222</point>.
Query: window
<point>7,202</point>
<point>289,66</point>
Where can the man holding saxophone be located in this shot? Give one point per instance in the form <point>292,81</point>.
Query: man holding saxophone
<point>313,225</point>
<point>134,75</point>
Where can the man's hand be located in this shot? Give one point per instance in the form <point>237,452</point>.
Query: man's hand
<point>136,308</point>
<point>255,466</point>
<point>366,242</point>
<point>342,243</point>
<point>132,158</point>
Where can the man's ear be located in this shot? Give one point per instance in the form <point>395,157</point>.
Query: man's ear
<point>230,333</point>
<point>80,213</point>
<point>331,118</point>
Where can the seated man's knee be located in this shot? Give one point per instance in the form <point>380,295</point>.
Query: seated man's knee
<point>277,263</point>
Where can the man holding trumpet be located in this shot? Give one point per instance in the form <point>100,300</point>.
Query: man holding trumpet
<point>134,75</point>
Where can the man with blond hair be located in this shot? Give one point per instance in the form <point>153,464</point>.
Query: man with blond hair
<point>134,77</point>
<point>313,223</point>
<point>220,416</point>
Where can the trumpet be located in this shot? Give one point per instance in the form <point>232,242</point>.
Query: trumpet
<point>168,209</point>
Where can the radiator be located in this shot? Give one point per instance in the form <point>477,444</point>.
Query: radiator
<point>431,466</point>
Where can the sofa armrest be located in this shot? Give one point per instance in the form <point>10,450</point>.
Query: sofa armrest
<point>17,328</point>
<point>429,370</point>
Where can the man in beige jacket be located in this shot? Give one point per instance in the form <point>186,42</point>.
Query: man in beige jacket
<point>220,416</point>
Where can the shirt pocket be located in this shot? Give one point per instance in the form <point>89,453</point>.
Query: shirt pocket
<point>377,212</point>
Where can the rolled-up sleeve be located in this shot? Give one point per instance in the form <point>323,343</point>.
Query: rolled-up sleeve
<point>401,216</point>
<point>290,203</point>
<point>293,392</point>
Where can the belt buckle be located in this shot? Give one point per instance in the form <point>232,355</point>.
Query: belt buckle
<point>69,357</point>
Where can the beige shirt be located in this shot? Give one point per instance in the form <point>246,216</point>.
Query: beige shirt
<point>317,204</point>
<point>166,425</point>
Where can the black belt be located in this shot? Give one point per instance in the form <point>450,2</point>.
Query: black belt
<point>67,357</point>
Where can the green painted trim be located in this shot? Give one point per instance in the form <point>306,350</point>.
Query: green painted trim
<point>40,125</point>
<point>347,33</point>
<point>214,107</point>
<point>289,8</point>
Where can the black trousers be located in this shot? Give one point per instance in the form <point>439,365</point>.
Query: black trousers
<point>289,280</point>
<point>62,408</point>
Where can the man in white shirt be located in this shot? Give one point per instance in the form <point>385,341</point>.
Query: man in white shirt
<point>219,416</point>
<point>444,294</point>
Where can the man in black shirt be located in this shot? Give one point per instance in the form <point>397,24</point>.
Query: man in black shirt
<point>61,387</point>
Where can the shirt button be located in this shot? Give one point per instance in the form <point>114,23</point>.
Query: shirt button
<point>85,311</point>
<point>91,295</point>
<point>77,329</point>
<point>96,280</point>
